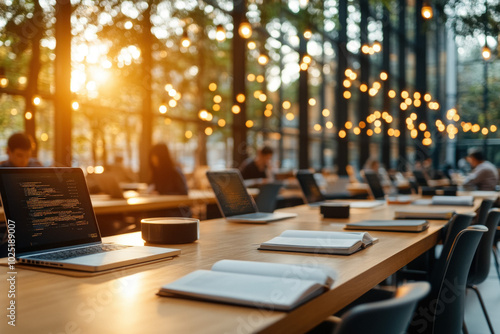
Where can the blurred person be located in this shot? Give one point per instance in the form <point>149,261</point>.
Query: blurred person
<point>166,176</point>
<point>167,179</point>
<point>484,175</point>
<point>120,171</point>
<point>371,164</point>
<point>258,167</point>
<point>19,150</point>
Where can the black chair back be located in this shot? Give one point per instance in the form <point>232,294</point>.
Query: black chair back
<point>480,266</point>
<point>483,211</point>
<point>456,224</point>
<point>443,310</point>
<point>391,316</point>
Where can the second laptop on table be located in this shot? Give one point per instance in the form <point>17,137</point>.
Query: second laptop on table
<point>235,202</point>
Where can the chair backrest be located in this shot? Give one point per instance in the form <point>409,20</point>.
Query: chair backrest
<point>267,197</point>
<point>483,211</point>
<point>445,304</point>
<point>390,316</point>
<point>480,266</point>
<point>455,225</point>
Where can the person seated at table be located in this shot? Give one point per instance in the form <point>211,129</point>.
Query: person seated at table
<point>19,149</point>
<point>372,164</point>
<point>167,179</point>
<point>484,175</point>
<point>166,176</point>
<point>120,171</point>
<point>258,167</point>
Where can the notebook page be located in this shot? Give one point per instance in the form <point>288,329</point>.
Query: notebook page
<point>317,273</point>
<point>248,290</point>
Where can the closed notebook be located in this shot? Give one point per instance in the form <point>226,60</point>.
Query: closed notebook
<point>389,225</point>
<point>424,214</point>
<point>320,242</point>
<point>272,286</point>
<point>453,200</point>
<point>447,200</point>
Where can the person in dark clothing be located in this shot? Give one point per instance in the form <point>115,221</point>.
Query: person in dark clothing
<point>19,149</point>
<point>167,178</point>
<point>259,167</point>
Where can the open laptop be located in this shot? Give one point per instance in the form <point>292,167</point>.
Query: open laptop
<point>377,192</point>
<point>314,197</point>
<point>107,184</point>
<point>234,201</point>
<point>55,225</point>
<point>420,178</point>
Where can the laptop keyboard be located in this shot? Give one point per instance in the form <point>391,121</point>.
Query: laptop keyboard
<point>71,253</point>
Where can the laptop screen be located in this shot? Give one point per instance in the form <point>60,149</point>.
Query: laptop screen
<point>309,187</point>
<point>374,183</point>
<point>420,178</point>
<point>231,193</point>
<point>50,207</point>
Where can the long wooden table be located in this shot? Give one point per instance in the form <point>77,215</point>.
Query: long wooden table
<point>125,301</point>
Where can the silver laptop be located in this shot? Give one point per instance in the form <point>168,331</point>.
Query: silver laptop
<point>315,198</point>
<point>55,225</point>
<point>234,201</point>
<point>106,183</point>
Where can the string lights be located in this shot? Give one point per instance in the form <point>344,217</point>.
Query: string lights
<point>426,11</point>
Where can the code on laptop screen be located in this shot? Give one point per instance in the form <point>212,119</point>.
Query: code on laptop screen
<point>49,209</point>
<point>231,193</point>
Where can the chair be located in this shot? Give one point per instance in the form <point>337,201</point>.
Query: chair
<point>495,251</point>
<point>483,211</point>
<point>442,311</point>
<point>422,267</point>
<point>480,266</point>
<point>390,316</point>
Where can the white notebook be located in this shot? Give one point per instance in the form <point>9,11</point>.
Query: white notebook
<point>272,286</point>
<point>389,225</point>
<point>447,200</point>
<point>453,200</point>
<point>320,242</point>
<point>424,214</point>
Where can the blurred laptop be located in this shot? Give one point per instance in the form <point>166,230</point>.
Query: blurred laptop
<point>314,197</point>
<point>107,184</point>
<point>234,201</point>
<point>421,178</point>
<point>377,192</point>
<point>55,225</point>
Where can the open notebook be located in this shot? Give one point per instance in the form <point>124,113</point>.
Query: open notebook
<point>320,242</point>
<point>272,286</point>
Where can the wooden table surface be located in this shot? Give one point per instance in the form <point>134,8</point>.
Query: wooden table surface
<point>125,301</point>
